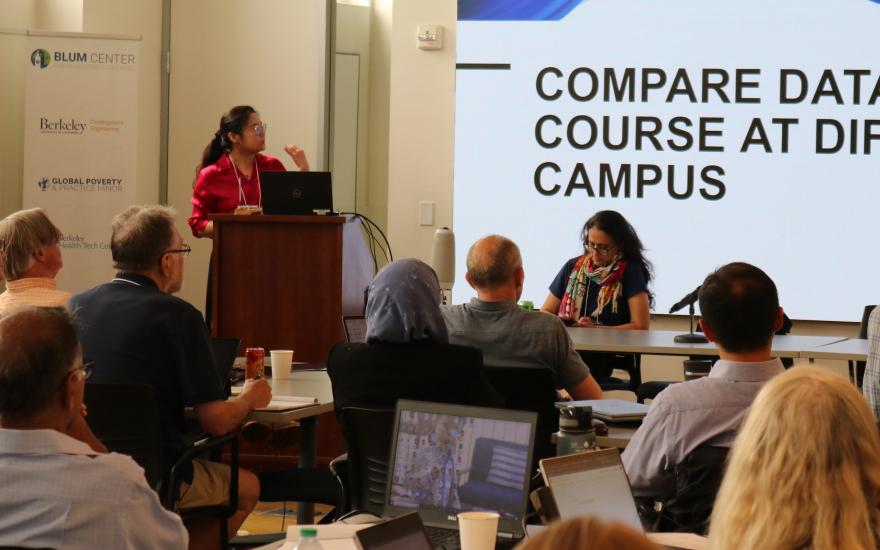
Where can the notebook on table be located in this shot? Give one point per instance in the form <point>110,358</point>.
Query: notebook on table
<point>447,459</point>
<point>296,193</point>
<point>594,484</point>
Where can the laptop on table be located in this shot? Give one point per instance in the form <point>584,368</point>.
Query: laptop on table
<point>593,483</point>
<point>447,459</point>
<point>296,193</point>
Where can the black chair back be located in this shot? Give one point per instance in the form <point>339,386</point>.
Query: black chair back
<point>859,374</point>
<point>368,435</point>
<point>697,480</point>
<point>530,389</point>
<point>125,417</point>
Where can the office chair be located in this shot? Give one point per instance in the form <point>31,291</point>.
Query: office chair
<point>631,363</point>
<point>697,480</point>
<point>125,417</point>
<point>857,368</point>
<point>530,389</point>
<point>367,435</point>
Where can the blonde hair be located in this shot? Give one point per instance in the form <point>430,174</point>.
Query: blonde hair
<point>21,234</point>
<point>586,533</point>
<point>804,470</point>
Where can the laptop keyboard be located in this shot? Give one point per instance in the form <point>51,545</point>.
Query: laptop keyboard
<point>443,539</point>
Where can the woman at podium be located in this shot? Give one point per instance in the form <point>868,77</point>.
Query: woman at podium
<point>606,286</point>
<point>228,178</point>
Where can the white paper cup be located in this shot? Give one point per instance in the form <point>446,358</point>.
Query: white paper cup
<point>478,530</point>
<point>281,361</point>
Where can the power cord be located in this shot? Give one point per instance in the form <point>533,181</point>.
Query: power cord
<point>383,246</point>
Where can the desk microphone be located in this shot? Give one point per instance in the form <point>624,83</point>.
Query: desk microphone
<point>687,300</point>
<point>691,337</point>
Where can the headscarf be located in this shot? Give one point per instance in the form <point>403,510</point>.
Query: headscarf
<point>403,304</point>
<point>607,277</point>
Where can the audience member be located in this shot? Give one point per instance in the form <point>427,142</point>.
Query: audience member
<point>57,491</point>
<point>871,382</point>
<point>508,335</point>
<point>803,472</point>
<point>31,258</point>
<point>407,354</point>
<point>135,331</point>
<point>587,533</point>
<point>740,312</point>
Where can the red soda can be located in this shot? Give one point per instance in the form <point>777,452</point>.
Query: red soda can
<point>254,358</point>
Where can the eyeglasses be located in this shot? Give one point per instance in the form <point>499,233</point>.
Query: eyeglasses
<point>259,129</point>
<point>185,250</point>
<point>85,367</point>
<point>603,248</point>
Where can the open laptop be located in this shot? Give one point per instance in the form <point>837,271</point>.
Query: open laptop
<point>296,193</point>
<point>355,327</point>
<point>225,350</point>
<point>593,484</point>
<point>448,458</point>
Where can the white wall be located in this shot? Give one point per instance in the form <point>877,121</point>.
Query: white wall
<point>422,125</point>
<point>137,18</point>
<point>268,54</point>
<point>376,205</point>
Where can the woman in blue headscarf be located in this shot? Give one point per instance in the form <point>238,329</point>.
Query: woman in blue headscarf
<point>407,354</point>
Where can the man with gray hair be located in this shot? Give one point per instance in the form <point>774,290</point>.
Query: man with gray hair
<point>509,335</point>
<point>137,332</point>
<point>58,491</point>
<point>30,256</point>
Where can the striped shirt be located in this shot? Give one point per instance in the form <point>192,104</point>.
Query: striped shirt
<point>32,291</point>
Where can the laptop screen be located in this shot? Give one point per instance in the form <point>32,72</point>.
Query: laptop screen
<point>591,484</point>
<point>448,459</point>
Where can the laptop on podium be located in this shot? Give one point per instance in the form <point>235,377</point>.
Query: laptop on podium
<point>296,193</point>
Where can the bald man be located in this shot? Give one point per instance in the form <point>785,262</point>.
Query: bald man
<point>509,335</point>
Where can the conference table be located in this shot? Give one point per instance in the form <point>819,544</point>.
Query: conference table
<point>303,383</point>
<point>852,349</point>
<point>662,342</point>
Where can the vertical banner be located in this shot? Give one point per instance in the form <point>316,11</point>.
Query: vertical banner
<point>80,144</point>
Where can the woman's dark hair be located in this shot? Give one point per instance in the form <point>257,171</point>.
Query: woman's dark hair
<point>624,236</point>
<point>232,121</point>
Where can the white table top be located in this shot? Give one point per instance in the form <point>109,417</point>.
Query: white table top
<point>853,349</point>
<point>662,342</point>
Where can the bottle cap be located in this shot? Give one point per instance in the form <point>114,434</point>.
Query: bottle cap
<point>308,532</point>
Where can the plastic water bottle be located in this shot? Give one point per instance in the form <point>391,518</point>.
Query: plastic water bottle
<point>308,539</point>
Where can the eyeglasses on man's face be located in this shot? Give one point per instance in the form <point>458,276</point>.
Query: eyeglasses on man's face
<point>85,367</point>
<point>185,250</point>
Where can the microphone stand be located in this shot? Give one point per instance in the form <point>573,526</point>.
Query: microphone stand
<point>691,337</point>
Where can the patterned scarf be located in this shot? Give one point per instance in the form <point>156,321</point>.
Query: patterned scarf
<point>607,277</point>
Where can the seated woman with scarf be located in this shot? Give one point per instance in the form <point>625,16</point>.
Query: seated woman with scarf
<point>605,287</point>
<point>407,354</point>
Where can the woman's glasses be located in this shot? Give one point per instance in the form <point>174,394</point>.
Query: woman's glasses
<point>259,129</point>
<point>603,248</point>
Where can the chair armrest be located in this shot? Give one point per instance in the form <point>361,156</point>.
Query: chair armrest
<point>201,447</point>
<point>339,464</point>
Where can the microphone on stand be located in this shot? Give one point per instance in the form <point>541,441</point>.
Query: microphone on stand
<point>689,300</point>
<point>443,262</point>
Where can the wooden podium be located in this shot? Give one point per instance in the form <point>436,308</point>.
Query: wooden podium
<point>276,282</point>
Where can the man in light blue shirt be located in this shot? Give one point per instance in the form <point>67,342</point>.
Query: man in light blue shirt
<point>59,491</point>
<point>740,313</point>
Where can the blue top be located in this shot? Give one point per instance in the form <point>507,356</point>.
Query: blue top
<point>634,283</point>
